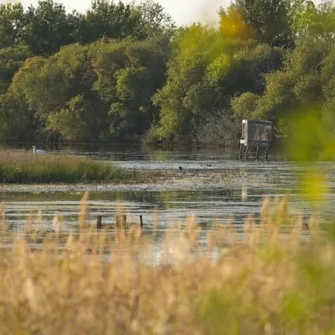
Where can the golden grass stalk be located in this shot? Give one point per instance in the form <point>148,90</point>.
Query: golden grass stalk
<point>96,283</point>
<point>3,222</point>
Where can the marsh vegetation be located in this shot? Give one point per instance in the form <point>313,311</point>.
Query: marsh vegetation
<point>98,282</point>
<point>20,167</point>
<point>126,72</point>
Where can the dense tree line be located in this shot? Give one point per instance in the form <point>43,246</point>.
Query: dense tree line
<point>123,71</point>
<point>81,77</point>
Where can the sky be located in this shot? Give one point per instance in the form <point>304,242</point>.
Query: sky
<point>182,11</point>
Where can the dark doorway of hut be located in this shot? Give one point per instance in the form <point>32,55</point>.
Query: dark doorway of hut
<point>256,139</point>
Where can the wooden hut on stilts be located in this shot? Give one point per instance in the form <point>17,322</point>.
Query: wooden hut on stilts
<point>256,135</point>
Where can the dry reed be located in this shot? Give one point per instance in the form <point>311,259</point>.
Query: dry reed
<point>272,281</point>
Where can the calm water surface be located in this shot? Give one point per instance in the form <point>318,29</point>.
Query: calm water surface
<point>201,192</point>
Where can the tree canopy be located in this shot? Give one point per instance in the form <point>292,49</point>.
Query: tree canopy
<point>126,72</point>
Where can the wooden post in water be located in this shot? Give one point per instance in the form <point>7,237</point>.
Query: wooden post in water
<point>99,222</point>
<point>141,221</point>
<point>121,221</point>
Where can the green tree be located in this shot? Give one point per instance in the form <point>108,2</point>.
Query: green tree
<point>176,116</point>
<point>302,83</point>
<point>155,20</point>
<point>311,21</point>
<point>328,90</point>
<point>234,25</point>
<point>187,89</point>
<point>108,58</point>
<point>206,71</point>
<point>249,64</point>
<point>12,21</point>
<point>16,122</point>
<point>325,24</point>
<point>80,120</point>
<point>129,73</point>
<point>28,85</point>
<point>269,20</point>
<point>245,104</point>
<point>50,85</point>
<point>304,16</point>
<point>109,20</point>
<point>11,59</point>
<point>47,28</point>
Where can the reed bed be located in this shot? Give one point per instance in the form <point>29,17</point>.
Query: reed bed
<point>266,284</point>
<point>23,167</point>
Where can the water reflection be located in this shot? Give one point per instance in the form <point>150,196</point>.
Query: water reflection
<point>219,188</point>
<point>244,195</point>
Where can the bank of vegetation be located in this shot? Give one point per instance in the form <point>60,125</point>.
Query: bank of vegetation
<point>19,167</point>
<point>126,72</point>
<point>262,285</point>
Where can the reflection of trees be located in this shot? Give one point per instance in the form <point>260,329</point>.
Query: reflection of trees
<point>160,155</point>
<point>161,199</point>
<point>165,198</point>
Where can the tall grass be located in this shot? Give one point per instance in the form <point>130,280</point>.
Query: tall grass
<point>23,167</point>
<point>269,283</point>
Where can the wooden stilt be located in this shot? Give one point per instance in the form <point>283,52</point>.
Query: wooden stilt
<point>246,152</point>
<point>241,151</point>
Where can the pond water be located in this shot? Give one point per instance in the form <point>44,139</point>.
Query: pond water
<point>213,185</point>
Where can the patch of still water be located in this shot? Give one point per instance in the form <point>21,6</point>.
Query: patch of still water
<point>216,188</point>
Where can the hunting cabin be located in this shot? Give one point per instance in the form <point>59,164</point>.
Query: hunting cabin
<point>256,134</point>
